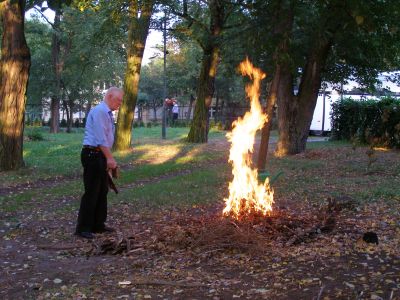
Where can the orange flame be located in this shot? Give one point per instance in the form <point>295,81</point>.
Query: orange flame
<point>246,194</point>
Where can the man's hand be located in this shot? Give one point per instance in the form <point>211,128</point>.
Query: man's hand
<point>115,172</point>
<point>111,163</point>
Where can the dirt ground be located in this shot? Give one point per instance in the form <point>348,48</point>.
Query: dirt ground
<point>300,251</point>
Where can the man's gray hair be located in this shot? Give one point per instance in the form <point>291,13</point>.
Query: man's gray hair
<point>113,90</point>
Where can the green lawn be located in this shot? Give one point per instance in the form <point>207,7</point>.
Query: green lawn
<point>171,172</point>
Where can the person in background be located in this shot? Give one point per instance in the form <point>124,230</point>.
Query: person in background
<point>97,160</point>
<point>175,112</point>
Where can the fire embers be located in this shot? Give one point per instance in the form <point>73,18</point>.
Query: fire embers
<point>246,195</point>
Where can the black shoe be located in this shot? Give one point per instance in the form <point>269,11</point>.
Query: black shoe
<point>105,229</point>
<point>86,235</point>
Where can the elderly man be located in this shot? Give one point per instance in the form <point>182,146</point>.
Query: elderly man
<point>97,159</point>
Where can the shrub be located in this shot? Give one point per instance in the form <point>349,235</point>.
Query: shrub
<point>35,135</point>
<point>148,125</point>
<point>375,122</point>
<point>37,122</point>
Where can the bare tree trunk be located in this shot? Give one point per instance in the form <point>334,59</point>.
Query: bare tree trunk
<point>154,106</point>
<point>199,129</point>
<point>54,114</point>
<point>14,73</point>
<point>295,112</point>
<point>269,111</point>
<point>138,31</point>
<point>57,69</point>
<point>70,115</point>
<point>216,108</point>
<point>283,19</point>
<point>189,112</point>
<point>88,107</point>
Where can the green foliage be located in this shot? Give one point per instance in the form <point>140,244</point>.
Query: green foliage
<point>41,79</point>
<point>35,134</point>
<point>376,122</point>
<point>217,125</point>
<point>91,58</point>
<point>182,69</point>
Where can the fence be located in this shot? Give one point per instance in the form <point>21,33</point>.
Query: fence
<point>218,114</point>
<point>224,115</point>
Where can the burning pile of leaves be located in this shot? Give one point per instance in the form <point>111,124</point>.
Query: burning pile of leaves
<point>211,232</point>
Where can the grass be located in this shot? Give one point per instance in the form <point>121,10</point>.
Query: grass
<point>58,156</point>
<point>199,187</point>
<point>171,172</point>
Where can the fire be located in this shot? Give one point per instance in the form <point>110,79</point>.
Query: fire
<point>246,194</point>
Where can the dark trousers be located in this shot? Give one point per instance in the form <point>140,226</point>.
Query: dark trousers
<point>93,209</point>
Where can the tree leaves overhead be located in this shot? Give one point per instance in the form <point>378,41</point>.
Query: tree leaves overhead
<point>41,82</point>
<point>94,56</point>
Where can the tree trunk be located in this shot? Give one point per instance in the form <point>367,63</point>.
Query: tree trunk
<point>57,69</point>
<point>216,116</point>
<point>88,108</point>
<point>14,73</point>
<point>189,112</point>
<point>154,106</point>
<point>283,19</point>
<point>269,111</point>
<point>199,129</point>
<point>54,115</point>
<point>137,34</point>
<point>295,112</point>
<point>70,115</point>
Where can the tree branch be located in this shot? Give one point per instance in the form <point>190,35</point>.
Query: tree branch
<point>44,17</point>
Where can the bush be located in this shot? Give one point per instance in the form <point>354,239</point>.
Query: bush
<point>375,122</point>
<point>63,123</point>
<point>217,125</point>
<point>149,125</point>
<point>35,135</point>
<point>37,122</point>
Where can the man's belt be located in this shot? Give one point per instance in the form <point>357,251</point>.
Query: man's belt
<point>93,148</point>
